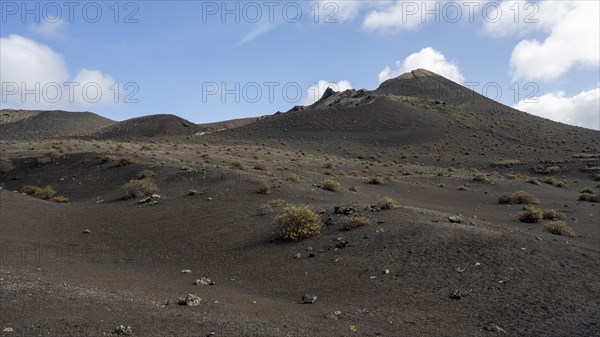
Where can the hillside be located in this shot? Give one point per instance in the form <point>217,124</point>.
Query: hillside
<point>32,125</point>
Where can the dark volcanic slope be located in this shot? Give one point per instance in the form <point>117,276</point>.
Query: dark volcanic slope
<point>229,124</point>
<point>29,125</point>
<point>149,126</point>
<point>426,112</point>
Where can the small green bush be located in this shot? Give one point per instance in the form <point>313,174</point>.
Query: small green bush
<point>588,190</point>
<point>260,167</point>
<point>5,165</point>
<point>519,197</point>
<point>293,178</point>
<point>238,165</point>
<point>59,199</point>
<point>552,214</point>
<point>46,193</point>
<point>124,161</point>
<point>589,197</point>
<point>376,181</point>
<point>265,189</point>
<point>298,223</point>
<point>332,185</point>
<point>146,174</point>
<point>47,157</point>
<point>481,178</point>
<point>387,203</point>
<point>531,215</point>
<point>353,222</point>
<point>140,188</point>
<point>560,228</point>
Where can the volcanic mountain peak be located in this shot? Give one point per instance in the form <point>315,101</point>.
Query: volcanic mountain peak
<point>418,73</point>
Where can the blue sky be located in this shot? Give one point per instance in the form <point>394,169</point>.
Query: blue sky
<point>176,55</point>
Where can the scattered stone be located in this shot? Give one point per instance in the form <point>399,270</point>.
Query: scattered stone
<point>309,299</point>
<point>124,330</point>
<point>151,200</point>
<point>334,315</point>
<point>8,329</point>
<point>204,281</point>
<point>87,231</point>
<point>192,192</point>
<point>455,219</point>
<point>539,238</point>
<point>309,248</point>
<point>386,271</point>
<point>342,244</point>
<point>344,210</point>
<point>329,221</point>
<point>190,300</point>
<point>297,256</point>
<point>208,199</point>
<point>493,328</point>
<point>455,295</point>
<point>186,271</point>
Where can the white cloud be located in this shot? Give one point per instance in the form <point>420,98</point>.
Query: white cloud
<point>572,37</point>
<point>315,92</point>
<point>582,109</point>
<point>24,60</point>
<point>259,30</point>
<point>427,58</point>
<point>341,11</point>
<point>52,30</point>
<point>29,66</point>
<point>394,16</point>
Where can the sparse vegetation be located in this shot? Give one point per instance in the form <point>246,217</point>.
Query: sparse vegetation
<point>376,181</point>
<point>519,197</point>
<point>553,181</point>
<point>589,197</point>
<point>332,185</point>
<point>293,178</point>
<point>531,215</point>
<point>552,214</point>
<point>560,228</point>
<point>260,167</point>
<point>354,222</point>
<point>534,181</point>
<point>547,170</point>
<point>507,163</point>
<point>140,188</point>
<point>238,165</point>
<point>46,193</point>
<point>387,203</point>
<point>481,178</point>
<point>265,189</point>
<point>588,194</point>
<point>6,165</point>
<point>47,157</point>
<point>146,174</point>
<point>298,223</point>
<point>588,190</point>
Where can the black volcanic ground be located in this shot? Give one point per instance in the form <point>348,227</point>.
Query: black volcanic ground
<point>450,260</point>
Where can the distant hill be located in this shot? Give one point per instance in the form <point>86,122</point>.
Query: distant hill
<point>148,126</point>
<point>229,124</point>
<point>420,114</point>
<point>32,125</point>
